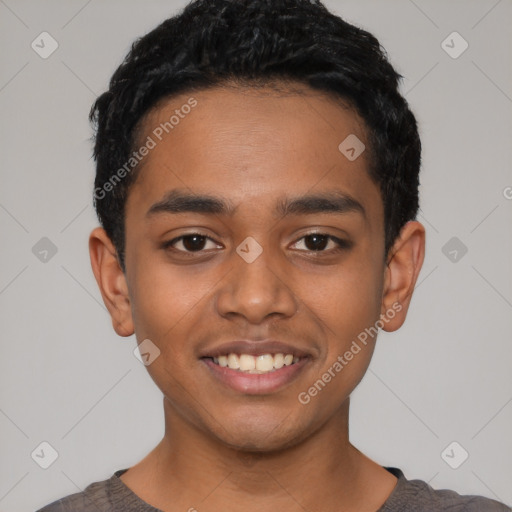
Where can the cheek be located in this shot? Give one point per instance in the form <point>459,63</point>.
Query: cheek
<point>167,305</point>
<point>347,310</point>
<point>163,298</point>
<point>346,302</point>
<point>346,305</point>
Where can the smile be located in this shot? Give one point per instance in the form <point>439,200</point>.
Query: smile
<point>253,375</point>
<point>259,364</point>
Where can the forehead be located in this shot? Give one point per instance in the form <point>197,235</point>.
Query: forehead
<point>251,143</point>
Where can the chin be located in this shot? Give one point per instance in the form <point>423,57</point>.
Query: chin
<point>259,437</point>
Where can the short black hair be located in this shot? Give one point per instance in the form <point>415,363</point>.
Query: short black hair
<point>214,42</point>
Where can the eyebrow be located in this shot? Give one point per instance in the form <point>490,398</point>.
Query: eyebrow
<point>179,201</point>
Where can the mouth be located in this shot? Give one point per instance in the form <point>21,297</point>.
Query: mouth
<point>255,374</point>
<point>254,364</point>
<point>256,367</point>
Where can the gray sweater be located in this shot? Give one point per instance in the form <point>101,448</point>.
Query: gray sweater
<point>113,495</point>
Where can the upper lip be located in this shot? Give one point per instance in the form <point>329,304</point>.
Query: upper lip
<point>254,348</point>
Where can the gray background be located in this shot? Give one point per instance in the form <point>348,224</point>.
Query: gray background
<point>68,379</point>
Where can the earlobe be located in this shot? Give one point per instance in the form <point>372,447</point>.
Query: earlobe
<point>111,281</point>
<point>402,270</point>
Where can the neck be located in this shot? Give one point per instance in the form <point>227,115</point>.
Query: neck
<point>323,471</point>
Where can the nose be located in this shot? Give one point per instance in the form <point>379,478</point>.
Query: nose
<point>256,290</point>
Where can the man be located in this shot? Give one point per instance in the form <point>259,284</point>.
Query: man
<point>257,187</point>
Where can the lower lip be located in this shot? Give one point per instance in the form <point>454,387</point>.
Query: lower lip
<point>256,383</point>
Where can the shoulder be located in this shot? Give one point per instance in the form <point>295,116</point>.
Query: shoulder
<point>419,496</point>
<point>96,497</point>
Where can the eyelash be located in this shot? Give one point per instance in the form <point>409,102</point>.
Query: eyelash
<point>341,244</point>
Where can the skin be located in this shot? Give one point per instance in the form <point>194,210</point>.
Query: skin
<point>222,448</point>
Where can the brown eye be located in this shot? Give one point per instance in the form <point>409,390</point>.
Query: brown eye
<point>316,242</point>
<point>319,242</point>
<point>192,242</point>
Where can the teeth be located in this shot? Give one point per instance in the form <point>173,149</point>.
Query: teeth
<point>233,361</point>
<point>255,364</point>
<point>264,363</point>
<point>247,362</point>
<point>278,361</point>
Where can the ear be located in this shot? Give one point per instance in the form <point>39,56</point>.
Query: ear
<point>111,281</point>
<point>404,263</point>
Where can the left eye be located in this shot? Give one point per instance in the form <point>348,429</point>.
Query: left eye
<point>318,242</point>
<point>193,242</point>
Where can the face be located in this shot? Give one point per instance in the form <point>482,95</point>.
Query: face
<point>247,223</point>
